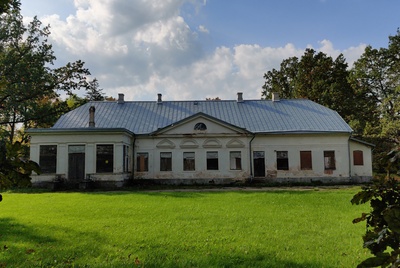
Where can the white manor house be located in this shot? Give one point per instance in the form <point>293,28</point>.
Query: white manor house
<point>200,142</point>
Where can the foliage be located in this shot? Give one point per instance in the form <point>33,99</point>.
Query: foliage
<point>94,93</point>
<point>376,75</point>
<point>15,168</point>
<point>382,237</point>
<point>213,99</point>
<point>284,228</point>
<point>4,5</point>
<point>317,77</point>
<point>29,87</point>
<point>367,95</point>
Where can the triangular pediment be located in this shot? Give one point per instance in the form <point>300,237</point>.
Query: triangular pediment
<point>201,124</point>
<point>235,143</point>
<point>212,143</point>
<point>166,144</point>
<point>189,143</point>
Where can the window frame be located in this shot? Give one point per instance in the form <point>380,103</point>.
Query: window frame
<point>145,162</point>
<point>329,160</point>
<point>45,157</point>
<point>107,156</point>
<point>212,163</point>
<point>165,161</point>
<point>358,158</point>
<point>126,159</point>
<point>306,160</point>
<point>282,160</point>
<point>189,161</point>
<point>235,163</point>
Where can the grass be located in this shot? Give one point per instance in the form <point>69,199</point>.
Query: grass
<point>310,228</point>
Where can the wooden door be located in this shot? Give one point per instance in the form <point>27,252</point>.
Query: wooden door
<point>259,163</point>
<point>76,163</point>
<point>76,167</point>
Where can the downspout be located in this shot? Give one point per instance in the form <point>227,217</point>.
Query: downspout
<point>348,147</point>
<point>133,156</point>
<point>250,158</point>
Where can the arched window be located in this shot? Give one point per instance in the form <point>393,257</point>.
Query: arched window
<point>200,126</point>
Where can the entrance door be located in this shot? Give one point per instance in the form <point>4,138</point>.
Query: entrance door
<point>259,163</point>
<point>76,163</point>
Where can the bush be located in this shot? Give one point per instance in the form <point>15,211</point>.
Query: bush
<point>382,236</point>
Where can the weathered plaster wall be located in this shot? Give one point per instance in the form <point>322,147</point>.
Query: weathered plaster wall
<point>366,168</point>
<point>89,140</point>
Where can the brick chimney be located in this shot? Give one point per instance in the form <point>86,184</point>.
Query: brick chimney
<point>275,96</point>
<point>240,97</point>
<point>91,116</point>
<point>121,98</point>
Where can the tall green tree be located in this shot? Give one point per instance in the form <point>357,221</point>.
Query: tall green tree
<point>94,92</point>
<point>377,75</point>
<point>4,5</point>
<point>29,86</point>
<point>30,89</point>
<point>314,76</point>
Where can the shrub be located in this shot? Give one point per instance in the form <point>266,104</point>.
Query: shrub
<point>382,235</point>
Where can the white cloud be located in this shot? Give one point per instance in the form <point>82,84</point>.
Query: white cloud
<point>141,48</point>
<point>351,54</point>
<point>203,29</point>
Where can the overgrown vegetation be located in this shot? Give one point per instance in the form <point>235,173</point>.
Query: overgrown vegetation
<point>382,236</point>
<point>303,228</point>
<point>31,89</point>
<point>367,95</point>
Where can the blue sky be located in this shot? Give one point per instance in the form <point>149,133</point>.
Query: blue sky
<point>195,49</point>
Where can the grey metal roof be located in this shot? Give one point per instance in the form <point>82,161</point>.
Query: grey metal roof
<point>257,116</point>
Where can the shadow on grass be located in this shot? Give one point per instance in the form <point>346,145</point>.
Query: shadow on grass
<point>27,246</point>
<point>17,241</point>
<point>58,246</point>
<point>193,193</point>
<point>23,247</point>
<point>167,260</point>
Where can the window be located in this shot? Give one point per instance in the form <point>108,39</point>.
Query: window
<point>105,158</point>
<point>305,160</point>
<point>358,158</point>
<point>212,160</point>
<point>188,161</point>
<point>282,160</point>
<point>165,161</point>
<point>329,160</point>
<point>48,158</point>
<point>200,126</point>
<point>126,158</point>
<point>142,162</point>
<point>235,160</point>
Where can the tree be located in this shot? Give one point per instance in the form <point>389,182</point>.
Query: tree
<point>213,99</point>
<point>4,5</point>
<point>15,168</point>
<point>377,75</point>
<point>317,77</point>
<point>382,236</point>
<point>29,87</point>
<point>94,93</point>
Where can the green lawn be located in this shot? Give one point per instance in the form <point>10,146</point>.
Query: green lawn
<point>309,228</point>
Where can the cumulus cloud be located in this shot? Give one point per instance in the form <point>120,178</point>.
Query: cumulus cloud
<point>141,48</point>
<point>203,29</point>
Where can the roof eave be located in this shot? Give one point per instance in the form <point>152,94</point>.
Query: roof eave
<point>50,131</point>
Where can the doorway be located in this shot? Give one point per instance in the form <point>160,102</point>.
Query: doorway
<point>259,163</point>
<point>76,163</point>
